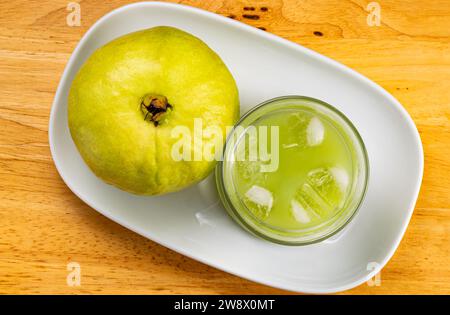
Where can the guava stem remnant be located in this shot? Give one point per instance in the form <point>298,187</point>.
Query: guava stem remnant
<point>154,107</point>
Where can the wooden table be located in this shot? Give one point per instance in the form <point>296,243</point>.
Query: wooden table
<point>43,226</point>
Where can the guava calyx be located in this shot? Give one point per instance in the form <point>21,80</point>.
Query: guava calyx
<point>154,107</point>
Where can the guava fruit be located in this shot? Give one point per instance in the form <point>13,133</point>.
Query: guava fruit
<point>131,93</point>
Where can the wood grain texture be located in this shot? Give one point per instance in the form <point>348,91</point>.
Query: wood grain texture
<point>43,226</point>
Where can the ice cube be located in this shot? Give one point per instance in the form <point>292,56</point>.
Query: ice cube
<point>341,177</point>
<point>260,196</point>
<point>249,169</point>
<point>259,201</point>
<point>297,125</point>
<point>304,131</point>
<point>315,132</point>
<point>290,145</point>
<point>324,190</point>
<point>299,213</point>
<point>249,165</point>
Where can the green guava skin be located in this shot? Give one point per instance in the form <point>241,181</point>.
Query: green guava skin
<point>105,117</point>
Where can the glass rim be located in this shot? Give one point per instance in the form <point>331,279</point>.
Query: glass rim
<point>235,214</point>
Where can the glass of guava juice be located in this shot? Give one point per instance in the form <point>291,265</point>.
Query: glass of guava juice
<point>294,171</point>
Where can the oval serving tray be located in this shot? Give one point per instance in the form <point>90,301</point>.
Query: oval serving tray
<point>194,223</point>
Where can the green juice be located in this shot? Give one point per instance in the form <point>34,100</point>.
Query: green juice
<point>311,180</point>
<point>316,179</point>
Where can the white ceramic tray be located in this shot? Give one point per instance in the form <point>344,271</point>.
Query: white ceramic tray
<point>194,223</point>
